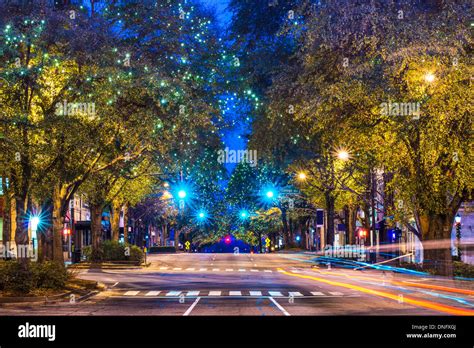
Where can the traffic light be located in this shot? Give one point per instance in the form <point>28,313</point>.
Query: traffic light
<point>362,233</point>
<point>227,240</point>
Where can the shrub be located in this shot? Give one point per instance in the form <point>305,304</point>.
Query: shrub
<point>136,254</point>
<point>20,278</point>
<point>114,251</point>
<point>49,275</point>
<point>15,277</point>
<point>462,269</point>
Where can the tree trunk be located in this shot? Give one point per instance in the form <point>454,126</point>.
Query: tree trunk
<point>330,218</point>
<point>176,238</point>
<point>96,231</point>
<point>436,234</point>
<point>351,216</point>
<point>58,225</point>
<point>125,222</point>
<point>284,220</point>
<point>21,232</point>
<point>7,215</point>
<point>115,223</point>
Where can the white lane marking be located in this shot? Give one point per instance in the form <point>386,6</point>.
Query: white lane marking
<point>317,293</point>
<point>173,293</point>
<point>177,269</point>
<point>255,293</point>
<point>279,306</point>
<point>229,269</point>
<point>336,293</point>
<point>280,270</point>
<point>152,293</point>
<point>191,307</point>
<point>214,293</point>
<point>275,293</point>
<point>295,293</point>
<point>192,293</point>
<point>189,269</point>
<point>202,269</point>
<point>131,293</point>
<point>164,267</point>
<point>254,270</point>
<point>235,293</point>
<point>268,271</point>
<point>114,284</point>
<point>216,269</point>
<point>242,270</point>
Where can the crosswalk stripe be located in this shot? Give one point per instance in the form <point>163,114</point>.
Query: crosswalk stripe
<point>203,269</point>
<point>295,293</point>
<point>280,270</point>
<point>268,271</point>
<point>229,270</point>
<point>275,293</point>
<point>173,293</point>
<point>177,269</point>
<point>254,270</point>
<point>189,269</point>
<point>216,269</point>
<point>196,293</point>
<point>152,293</point>
<point>164,267</point>
<point>317,293</point>
<point>131,293</point>
<point>241,270</point>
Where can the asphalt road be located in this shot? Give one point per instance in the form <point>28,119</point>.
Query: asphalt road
<point>258,285</point>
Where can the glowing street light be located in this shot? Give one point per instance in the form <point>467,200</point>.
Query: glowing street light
<point>182,194</point>
<point>343,155</point>
<point>430,77</point>
<point>301,176</point>
<point>34,221</point>
<point>244,214</point>
<point>270,194</point>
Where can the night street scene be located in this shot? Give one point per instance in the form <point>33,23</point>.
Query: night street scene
<point>267,167</point>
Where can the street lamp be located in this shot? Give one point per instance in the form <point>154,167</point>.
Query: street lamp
<point>244,214</point>
<point>270,194</point>
<point>343,155</point>
<point>430,77</point>
<point>34,221</point>
<point>457,220</point>
<point>182,194</point>
<point>301,176</point>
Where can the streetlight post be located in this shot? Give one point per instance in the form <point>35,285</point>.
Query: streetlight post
<point>457,220</point>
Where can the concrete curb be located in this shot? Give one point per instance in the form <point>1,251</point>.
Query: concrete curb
<point>33,299</point>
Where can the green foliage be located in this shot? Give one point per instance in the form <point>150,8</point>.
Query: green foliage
<point>20,278</point>
<point>462,269</point>
<point>114,251</point>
